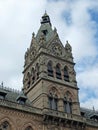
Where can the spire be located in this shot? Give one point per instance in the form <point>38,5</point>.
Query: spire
<point>45,18</point>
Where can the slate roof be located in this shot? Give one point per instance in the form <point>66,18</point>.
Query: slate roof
<point>88,113</point>
<point>13,95</point>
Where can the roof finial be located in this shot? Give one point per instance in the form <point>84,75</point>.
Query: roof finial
<point>93,108</point>
<point>45,14</point>
<point>33,35</point>
<point>67,42</point>
<point>2,84</point>
<point>55,30</point>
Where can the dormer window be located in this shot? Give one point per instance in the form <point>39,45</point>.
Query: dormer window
<point>94,117</point>
<point>2,94</point>
<point>45,32</point>
<point>21,100</point>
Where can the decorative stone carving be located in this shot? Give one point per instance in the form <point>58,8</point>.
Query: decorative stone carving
<point>68,52</point>
<point>26,56</point>
<point>5,126</point>
<point>72,74</point>
<point>57,50</point>
<point>68,47</point>
<point>42,39</point>
<point>55,47</point>
<point>33,41</point>
<point>32,54</point>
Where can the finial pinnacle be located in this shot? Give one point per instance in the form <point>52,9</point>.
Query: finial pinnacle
<point>45,14</point>
<point>2,84</point>
<point>33,34</point>
<point>55,30</point>
<point>67,42</point>
<point>93,108</point>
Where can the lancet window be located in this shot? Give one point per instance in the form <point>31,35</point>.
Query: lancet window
<point>53,101</point>
<point>33,75</point>
<point>66,76</point>
<point>67,103</point>
<point>50,69</point>
<point>58,71</point>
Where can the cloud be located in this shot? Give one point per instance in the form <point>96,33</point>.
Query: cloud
<point>74,22</point>
<point>92,102</point>
<point>87,78</point>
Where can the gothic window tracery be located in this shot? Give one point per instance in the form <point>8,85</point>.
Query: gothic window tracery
<point>66,76</point>
<point>58,71</point>
<point>50,69</point>
<point>5,126</point>
<point>50,98</point>
<point>67,103</point>
<point>53,100</point>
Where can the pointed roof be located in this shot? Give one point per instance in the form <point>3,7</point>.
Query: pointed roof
<point>45,28</point>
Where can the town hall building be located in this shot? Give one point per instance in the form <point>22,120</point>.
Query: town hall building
<point>49,99</point>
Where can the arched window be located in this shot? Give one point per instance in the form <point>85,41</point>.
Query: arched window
<point>66,76</point>
<point>37,71</point>
<point>5,126</point>
<point>33,75</point>
<point>69,107</point>
<point>53,101</point>
<point>67,103</point>
<point>28,80</point>
<point>58,72</point>
<point>50,69</point>
<point>29,128</point>
<point>50,98</point>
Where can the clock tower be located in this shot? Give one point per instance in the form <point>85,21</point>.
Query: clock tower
<point>49,76</point>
